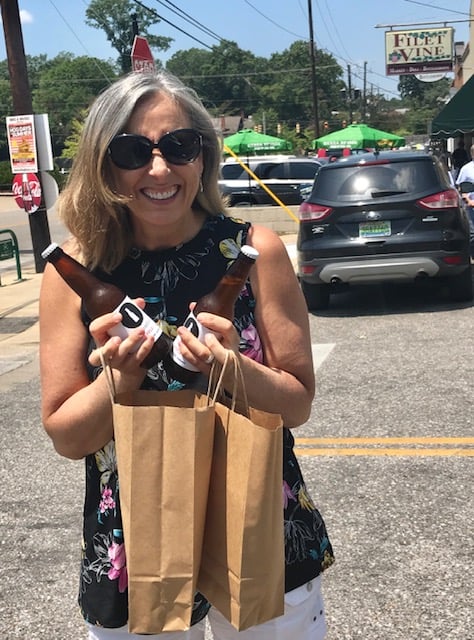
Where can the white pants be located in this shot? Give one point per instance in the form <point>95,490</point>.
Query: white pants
<point>196,632</point>
<point>303,620</point>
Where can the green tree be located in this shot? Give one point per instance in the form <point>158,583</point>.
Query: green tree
<point>228,79</point>
<point>67,87</point>
<point>423,94</point>
<point>36,65</point>
<point>6,107</point>
<point>231,80</point>
<point>71,142</point>
<point>115,18</point>
<point>424,101</point>
<point>289,91</point>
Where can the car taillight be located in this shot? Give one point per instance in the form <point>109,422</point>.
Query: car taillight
<point>443,200</point>
<point>453,259</point>
<point>309,211</point>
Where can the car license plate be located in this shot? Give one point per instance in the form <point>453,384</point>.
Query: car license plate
<point>375,229</point>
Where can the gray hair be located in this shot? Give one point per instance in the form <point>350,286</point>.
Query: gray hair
<point>98,217</point>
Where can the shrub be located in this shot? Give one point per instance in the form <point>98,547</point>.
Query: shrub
<point>6,176</point>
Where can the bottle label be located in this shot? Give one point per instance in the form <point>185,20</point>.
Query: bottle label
<point>197,330</point>
<point>133,318</point>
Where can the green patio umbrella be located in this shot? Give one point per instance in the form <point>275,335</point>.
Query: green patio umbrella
<point>359,136</point>
<point>248,141</point>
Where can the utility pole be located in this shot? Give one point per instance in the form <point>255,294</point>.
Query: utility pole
<point>313,71</point>
<point>364,95</point>
<point>22,105</point>
<point>134,25</point>
<point>349,91</point>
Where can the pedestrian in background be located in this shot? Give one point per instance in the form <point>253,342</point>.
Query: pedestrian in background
<point>466,176</point>
<point>144,210</point>
<point>459,158</point>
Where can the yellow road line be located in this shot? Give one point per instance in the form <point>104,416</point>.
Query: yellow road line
<point>381,451</point>
<point>422,440</point>
<point>360,446</point>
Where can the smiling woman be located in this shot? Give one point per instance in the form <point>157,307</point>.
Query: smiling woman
<point>145,212</point>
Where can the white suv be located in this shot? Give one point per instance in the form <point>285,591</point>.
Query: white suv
<point>285,176</point>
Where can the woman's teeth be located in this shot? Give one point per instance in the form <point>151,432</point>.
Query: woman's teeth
<point>161,195</point>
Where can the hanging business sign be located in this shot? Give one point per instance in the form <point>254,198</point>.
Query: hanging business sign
<point>22,144</point>
<point>425,50</point>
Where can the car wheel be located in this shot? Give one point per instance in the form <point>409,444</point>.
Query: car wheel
<point>316,295</point>
<point>242,203</point>
<point>460,287</point>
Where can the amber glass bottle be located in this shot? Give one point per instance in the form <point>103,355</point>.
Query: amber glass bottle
<point>102,297</point>
<point>221,302</point>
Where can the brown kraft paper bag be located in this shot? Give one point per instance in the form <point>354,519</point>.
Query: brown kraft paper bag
<point>242,566</point>
<point>164,446</point>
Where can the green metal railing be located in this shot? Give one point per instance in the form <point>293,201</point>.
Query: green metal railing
<point>9,249</point>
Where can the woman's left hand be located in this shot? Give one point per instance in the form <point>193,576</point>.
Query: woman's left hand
<point>223,337</point>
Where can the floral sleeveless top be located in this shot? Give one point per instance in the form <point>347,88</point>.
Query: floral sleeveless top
<point>169,280</point>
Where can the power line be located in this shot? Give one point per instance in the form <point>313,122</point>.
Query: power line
<point>338,57</point>
<point>432,6</point>
<point>273,21</point>
<point>102,72</point>
<point>102,22</point>
<point>191,20</point>
<point>157,15</point>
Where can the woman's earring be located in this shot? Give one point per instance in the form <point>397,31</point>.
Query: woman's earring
<point>201,187</point>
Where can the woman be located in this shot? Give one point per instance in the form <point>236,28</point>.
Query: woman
<point>144,210</point>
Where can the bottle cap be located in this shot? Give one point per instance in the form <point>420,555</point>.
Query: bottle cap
<point>249,251</point>
<point>49,250</point>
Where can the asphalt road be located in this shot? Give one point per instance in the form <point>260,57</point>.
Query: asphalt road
<point>387,455</point>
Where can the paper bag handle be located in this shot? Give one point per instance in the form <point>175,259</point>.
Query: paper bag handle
<point>217,387</point>
<point>109,377</point>
<point>238,387</point>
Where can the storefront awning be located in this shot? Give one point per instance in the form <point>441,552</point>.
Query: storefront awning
<point>457,117</point>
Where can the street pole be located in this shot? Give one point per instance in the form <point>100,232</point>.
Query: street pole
<point>349,91</point>
<point>364,95</point>
<point>22,105</point>
<point>134,25</point>
<point>313,71</point>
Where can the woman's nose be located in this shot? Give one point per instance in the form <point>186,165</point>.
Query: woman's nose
<point>158,163</point>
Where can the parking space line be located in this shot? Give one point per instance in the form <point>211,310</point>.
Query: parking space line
<point>320,353</point>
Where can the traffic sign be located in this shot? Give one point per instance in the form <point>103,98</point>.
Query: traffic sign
<point>142,59</point>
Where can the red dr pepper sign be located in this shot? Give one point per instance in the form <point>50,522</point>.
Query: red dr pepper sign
<point>27,191</point>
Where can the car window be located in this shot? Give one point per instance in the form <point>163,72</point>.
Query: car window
<point>232,171</point>
<point>351,183</point>
<point>267,170</point>
<point>303,170</point>
<point>275,172</point>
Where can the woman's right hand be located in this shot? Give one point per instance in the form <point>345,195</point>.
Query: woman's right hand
<point>125,355</point>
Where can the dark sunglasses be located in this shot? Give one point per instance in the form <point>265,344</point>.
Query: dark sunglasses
<point>131,151</point>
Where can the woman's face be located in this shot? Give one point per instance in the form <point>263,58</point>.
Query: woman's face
<point>161,193</point>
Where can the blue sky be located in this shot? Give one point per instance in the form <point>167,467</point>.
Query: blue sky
<point>345,28</point>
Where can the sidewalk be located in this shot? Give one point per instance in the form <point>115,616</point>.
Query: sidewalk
<point>19,330</point>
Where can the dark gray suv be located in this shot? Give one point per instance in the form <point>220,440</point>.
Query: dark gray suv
<point>285,176</point>
<point>375,217</point>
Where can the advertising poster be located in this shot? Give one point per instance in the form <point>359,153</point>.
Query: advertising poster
<point>22,145</point>
<point>26,189</point>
